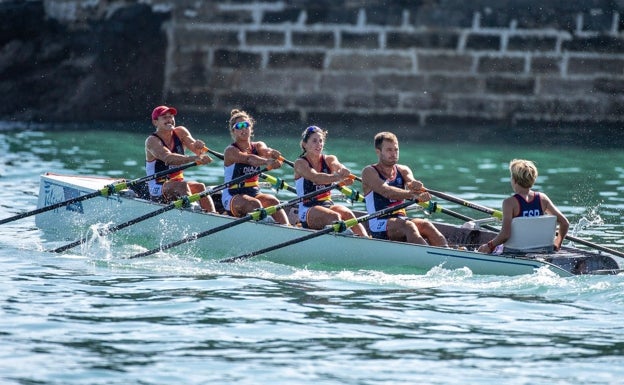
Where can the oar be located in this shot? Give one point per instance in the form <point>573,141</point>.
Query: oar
<point>279,184</point>
<point>339,226</point>
<point>183,202</point>
<point>255,215</point>
<point>351,194</point>
<point>594,245</point>
<point>495,213</point>
<point>499,214</point>
<point>433,207</point>
<point>106,191</point>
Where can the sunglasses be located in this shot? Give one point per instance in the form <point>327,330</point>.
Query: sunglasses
<point>241,125</point>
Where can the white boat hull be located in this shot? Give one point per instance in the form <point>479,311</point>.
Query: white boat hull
<point>331,251</point>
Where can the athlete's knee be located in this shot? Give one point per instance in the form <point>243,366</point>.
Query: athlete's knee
<point>333,216</point>
<point>343,212</point>
<point>253,204</point>
<point>270,200</point>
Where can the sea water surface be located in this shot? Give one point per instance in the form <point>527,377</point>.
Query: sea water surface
<point>91,317</point>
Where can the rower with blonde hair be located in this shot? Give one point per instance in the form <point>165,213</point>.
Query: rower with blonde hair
<point>243,157</point>
<point>525,203</point>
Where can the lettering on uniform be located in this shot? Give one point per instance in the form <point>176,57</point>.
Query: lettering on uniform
<point>319,186</point>
<point>249,169</point>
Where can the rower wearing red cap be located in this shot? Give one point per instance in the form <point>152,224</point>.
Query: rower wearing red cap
<point>165,148</point>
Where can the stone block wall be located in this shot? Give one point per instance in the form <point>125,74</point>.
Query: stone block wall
<point>511,63</point>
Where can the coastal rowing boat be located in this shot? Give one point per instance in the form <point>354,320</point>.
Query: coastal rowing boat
<point>328,251</point>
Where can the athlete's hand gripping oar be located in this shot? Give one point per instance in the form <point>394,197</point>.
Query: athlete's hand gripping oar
<point>276,183</point>
<point>351,194</point>
<point>339,226</point>
<point>280,184</point>
<point>180,203</point>
<point>255,215</point>
<point>499,214</point>
<point>105,191</point>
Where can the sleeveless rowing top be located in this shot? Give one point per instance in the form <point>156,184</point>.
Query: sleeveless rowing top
<point>530,209</point>
<point>249,186</point>
<point>157,165</point>
<point>376,202</point>
<point>306,186</point>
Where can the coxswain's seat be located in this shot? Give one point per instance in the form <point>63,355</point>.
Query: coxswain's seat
<point>532,234</point>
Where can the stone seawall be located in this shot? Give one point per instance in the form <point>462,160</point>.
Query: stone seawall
<point>414,64</point>
<point>512,63</point>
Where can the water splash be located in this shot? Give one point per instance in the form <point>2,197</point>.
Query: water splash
<point>97,245</point>
<point>589,219</point>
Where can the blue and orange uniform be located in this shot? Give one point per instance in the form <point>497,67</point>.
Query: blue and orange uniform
<point>157,165</point>
<point>306,186</point>
<point>376,202</point>
<point>249,186</point>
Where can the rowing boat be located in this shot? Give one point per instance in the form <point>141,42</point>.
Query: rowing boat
<point>328,251</point>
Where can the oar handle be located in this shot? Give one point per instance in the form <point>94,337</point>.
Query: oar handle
<point>495,213</point>
<point>217,154</point>
<point>278,183</point>
<point>353,176</point>
<point>351,194</point>
<point>288,162</point>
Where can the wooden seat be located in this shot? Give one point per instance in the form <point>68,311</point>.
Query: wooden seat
<point>532,234</point>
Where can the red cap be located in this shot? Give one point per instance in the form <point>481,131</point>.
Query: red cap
<point>161,110</point>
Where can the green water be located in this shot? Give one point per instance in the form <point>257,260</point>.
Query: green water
<point>91,317</point>
<point>582,181</point>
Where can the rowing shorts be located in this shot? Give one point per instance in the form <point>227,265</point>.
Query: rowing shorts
<point>226,197</point>
<point>303,211</point>
<point>378,227</point>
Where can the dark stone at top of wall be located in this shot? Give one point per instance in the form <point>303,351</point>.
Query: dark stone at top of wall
<point>489,42</point>
<point>236,59</point>
<point>448,16</point>
<point>602,44</point>
<point>313,39</point>
<point>289,15</point>
<point>437,39</point>
<point>319,15</point>
<point>532,43</point>
<point>359,40</point>
<point>21,20</point>
<point>384,15</point>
